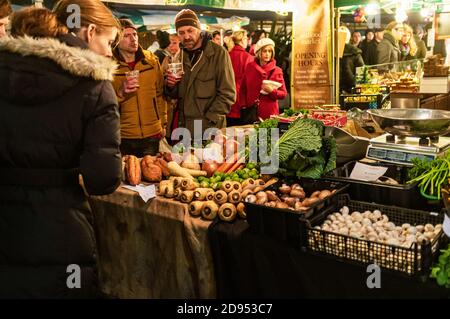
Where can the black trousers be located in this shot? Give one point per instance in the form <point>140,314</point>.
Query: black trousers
<point>140,147</point>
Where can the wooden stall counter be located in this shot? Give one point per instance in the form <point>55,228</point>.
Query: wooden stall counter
<point>151,250</point>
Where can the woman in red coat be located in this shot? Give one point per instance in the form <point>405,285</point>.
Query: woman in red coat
<point>240,59</point>
<point>263,68</point>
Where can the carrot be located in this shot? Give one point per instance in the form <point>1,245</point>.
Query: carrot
<point>236,165</point>
<point>228,164</point>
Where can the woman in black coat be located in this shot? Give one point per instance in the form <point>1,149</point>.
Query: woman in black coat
<point>58,119</point>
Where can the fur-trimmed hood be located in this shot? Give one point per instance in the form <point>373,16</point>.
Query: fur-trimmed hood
<point>77,61</point>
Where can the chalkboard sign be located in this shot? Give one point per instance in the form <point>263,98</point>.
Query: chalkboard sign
<point>443,25</point>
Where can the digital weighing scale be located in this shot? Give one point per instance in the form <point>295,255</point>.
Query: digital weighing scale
<point>401,150</point>
<point>411,133</point>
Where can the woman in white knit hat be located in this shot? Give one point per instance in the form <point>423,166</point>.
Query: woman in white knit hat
<point>264,84</point>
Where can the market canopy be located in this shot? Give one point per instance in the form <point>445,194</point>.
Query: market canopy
<point>414,5</point>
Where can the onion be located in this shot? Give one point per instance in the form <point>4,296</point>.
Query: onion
<point>210,167</point>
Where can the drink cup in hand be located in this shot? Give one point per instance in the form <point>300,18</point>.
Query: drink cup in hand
<point>176,69</point>
<point>132,79</point>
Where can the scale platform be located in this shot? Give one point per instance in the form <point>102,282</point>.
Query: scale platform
<point>401,150</point>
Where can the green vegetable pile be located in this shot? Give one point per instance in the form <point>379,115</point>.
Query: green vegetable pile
<point>441,271</point>
<point>431,175</point>
<point>215,182</point>
<point>304,151</point>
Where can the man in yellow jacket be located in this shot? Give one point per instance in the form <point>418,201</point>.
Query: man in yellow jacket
<point>143,110</point>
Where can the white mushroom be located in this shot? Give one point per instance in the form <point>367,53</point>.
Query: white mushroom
<point>383,236</point>
<point>392,241</point>
<point>377,213</point>
<point>355,234</point>
<point>356,217</point>
<point>366,222</point>
<point>420,228</point>
<point>429,234</point>
<point>343,231</point>
<point>379,223</point>
<point>405,226</point>
<point>332,218</point>
<point>421,238</point>
<point>385,219</point>
<point>379,229</point>
<point>372,234</point>
<point>369,229</point>
<point>366,214</point>
<point>429,228</point>
<point>411,230</point>
<point>389,226</point>
<point>345,210</point>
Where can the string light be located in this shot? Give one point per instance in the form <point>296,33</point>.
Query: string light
<point>372,9</point>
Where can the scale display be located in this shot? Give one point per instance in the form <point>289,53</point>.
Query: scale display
<point>395,156</point>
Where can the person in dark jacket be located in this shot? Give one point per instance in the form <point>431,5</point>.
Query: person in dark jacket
<point>206,90</point>
<point>164,42</point>
<point>370,55</point>
<point>388,50</point>
<point>59,121</point>
<point>349,62</point>
<point>421,46</point>
<point>365,44</point>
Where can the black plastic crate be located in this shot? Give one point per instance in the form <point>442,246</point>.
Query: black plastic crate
<point>415,260</point>
<point>402,195</point>
<point>289,225</point>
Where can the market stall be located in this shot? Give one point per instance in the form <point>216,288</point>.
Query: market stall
<point>309,230</point>
<point>151,250</point>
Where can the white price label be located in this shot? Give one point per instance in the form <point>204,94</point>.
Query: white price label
<point>146,192</point>
<point>446,225</point>
<point>367,173</point>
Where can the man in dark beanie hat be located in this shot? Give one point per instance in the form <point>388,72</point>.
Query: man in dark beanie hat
<point>206,89</point>
<point>143,110</point>
<point>5,11</point>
